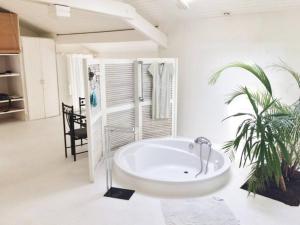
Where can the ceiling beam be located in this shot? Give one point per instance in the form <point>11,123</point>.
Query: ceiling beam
<point>119,9</point>
<point>146,28</point>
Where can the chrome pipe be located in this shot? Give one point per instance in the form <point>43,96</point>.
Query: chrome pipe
<point>201,141</point>
<point>209,153</point>
<point>107,152</point>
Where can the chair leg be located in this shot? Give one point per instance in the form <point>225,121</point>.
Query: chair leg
<point>73,147</point>
<point>66,149</point>
<point>75,157</point>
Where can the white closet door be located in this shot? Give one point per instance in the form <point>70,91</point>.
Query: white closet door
<point>33,77</point>
<point>51,99</point>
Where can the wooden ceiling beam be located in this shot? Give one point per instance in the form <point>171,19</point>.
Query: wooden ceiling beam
<point>115,8</point>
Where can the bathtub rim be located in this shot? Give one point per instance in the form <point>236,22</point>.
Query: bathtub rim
<point>224,169</point>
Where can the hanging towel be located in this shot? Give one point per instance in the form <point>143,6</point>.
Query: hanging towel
<point>93,99</point>
<point>161,94</point>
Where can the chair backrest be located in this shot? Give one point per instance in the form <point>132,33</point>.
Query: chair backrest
<point>81,104</point>
<point>68,116</point>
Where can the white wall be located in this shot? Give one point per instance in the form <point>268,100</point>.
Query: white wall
<point>126,50</point>
<point>202,46</point>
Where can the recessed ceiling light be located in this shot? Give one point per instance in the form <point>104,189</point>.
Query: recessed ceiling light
<point>183,4</point>
<point>62,11</point>
<point>227,14</point>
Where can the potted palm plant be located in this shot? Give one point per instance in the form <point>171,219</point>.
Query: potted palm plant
<point>269,134</point>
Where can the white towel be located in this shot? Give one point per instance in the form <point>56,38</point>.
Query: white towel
<point>161,94</point>
<point>201,211</point>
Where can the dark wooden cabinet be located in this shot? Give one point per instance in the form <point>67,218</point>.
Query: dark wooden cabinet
<point>9,33</point>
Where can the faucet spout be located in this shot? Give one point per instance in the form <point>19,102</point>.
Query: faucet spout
<point>202,140</point>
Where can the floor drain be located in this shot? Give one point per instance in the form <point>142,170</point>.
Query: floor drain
<point>186,172</point>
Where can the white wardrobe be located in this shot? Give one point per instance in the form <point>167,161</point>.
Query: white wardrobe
<point>40,71</point>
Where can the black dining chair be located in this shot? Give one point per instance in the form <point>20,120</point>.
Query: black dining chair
<point>81,112</point>
<point>74,127</point>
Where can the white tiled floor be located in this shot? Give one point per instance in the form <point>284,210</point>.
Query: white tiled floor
<point>39,187</point>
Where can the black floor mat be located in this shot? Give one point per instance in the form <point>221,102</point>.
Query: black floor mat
<point>119,193</point>
<point>290,197</point>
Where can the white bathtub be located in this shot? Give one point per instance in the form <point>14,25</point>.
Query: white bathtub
<point>169,166</point>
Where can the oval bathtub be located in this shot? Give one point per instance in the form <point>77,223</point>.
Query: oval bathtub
<point>168,166</point>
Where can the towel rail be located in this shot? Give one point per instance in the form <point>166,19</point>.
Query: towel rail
<point>141,97</point>
<point>141,74</point>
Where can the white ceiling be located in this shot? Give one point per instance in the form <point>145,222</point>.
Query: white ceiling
<point>44,19</point>
<point>156,11</point>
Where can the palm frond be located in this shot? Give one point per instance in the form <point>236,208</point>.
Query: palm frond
<point>251,100</point>
<point>253,68</point>
<point>238,115</point>
<point>235,94</point>
<point>262,99</point>
<point>283,66</point>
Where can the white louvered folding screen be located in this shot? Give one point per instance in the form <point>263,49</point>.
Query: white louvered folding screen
<point>122,82</point>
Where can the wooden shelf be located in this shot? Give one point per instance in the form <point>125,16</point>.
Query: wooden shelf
<point>12,110</point>
<point>11,68</point>
<point>13,100</point>
<point>8,54</point>
<point>10,75</point>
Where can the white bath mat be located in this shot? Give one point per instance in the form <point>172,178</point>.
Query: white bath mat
<point>199,211</point>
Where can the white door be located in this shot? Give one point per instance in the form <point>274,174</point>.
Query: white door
<point>51,99</point>
<point>33,77</point>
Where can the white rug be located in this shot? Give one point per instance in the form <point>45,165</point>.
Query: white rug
<point>199,211</point>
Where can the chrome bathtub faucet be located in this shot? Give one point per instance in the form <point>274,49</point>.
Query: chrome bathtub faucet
<point>203,141</point>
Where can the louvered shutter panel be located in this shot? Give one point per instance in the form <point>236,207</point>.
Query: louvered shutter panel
<point>153,128</point>
<point>119,78</point>
<point>119,84</point>
<point>124,118</point>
